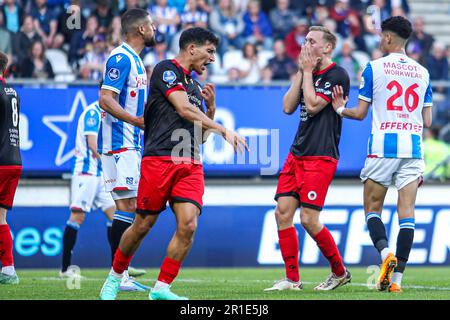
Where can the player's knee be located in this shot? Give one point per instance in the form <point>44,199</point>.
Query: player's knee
<point>77,217</point>
<point>282,216</point>
<point>188,229</point>
<point>308,221</point>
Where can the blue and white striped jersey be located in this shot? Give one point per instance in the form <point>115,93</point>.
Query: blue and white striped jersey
<point>125,75</point>
<point>398,88</point>
<point>88,124</point>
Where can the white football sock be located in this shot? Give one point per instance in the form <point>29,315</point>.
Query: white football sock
<point>9,270</point>
<point>397,278</point>
<point>115,274</point>
<point>384,253</point>
<point>160,285</point>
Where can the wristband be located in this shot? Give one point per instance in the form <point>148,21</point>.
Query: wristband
<point>340,110</point>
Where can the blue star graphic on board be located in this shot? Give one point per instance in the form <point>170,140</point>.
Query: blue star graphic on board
<point>51,121</point>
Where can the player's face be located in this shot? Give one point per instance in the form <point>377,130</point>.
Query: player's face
<point>203,56</point>
<point>315,41</point>
<point>148,32</point>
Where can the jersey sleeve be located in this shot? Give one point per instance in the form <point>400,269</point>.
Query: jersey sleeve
<point>366,85</point>
<point>428,101</point>
<point>91,123</point>
<point>166,78</point>
<point>116,73</point>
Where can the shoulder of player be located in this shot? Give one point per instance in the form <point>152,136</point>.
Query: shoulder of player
<point>337,72</point>
<point>119,57</point>
<point>166,67</point>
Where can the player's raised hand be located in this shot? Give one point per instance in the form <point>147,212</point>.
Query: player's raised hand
<point>237,141</point>
<point>338,99</point>
<point>209,94</point>
<point>308,60</point>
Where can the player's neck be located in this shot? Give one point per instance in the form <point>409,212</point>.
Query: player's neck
<point>184,62</point>
<point>324,63</point>
<point>399,50</point>
<point>137,46</point>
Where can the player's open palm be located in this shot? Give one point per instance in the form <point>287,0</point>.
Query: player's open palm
<point>338,97</point>
<point>237,141</point>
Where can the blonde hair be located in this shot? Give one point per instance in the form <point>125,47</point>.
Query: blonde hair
<point>328,36</point>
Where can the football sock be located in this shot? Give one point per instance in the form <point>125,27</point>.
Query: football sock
<point>377,233</point>
<point>108,233</point>
<point>404,243</point>
<point>169,270</point>
<point>6,247</point>
<point>288,241</point>
<point>397,278</point>
<point>121,262</point>
<point>121,222</point>
<point>69,239</point>
<point>329,249</point>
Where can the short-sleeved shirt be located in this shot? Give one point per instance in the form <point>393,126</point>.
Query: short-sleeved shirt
<point>319,134</point>
<point>88,124</point>
<point>166,132</point>
<point>44,18</point>
<point>125,75</point>
<point>398,89</point>
<point>9,126</point>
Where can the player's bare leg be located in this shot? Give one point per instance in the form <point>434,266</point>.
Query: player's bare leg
<point>8,273</point>
<point>405,208</point>
<point>76,219</point>
<point>288,240</point>
<point>374,195</point>
<point>186,215</point>
<point>339,274</point>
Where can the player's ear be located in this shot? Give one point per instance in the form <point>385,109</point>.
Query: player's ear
<point>191,49</point>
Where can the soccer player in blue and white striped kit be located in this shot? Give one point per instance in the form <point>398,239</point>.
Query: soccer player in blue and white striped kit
<point>123,96</point>
<point>400,93</point>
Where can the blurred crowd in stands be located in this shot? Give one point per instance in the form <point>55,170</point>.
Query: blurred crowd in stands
<point>260,41</point>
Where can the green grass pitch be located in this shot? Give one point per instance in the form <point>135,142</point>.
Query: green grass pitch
<point>233,284</point>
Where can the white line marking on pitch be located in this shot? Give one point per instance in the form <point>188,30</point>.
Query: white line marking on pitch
<point>355,284</point>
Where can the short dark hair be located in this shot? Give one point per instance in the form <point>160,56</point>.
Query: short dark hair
<point>198,36</point>
<point>131,19</point>
<point>100,84</point>
<point>3,62</point>
<point>398,25</point>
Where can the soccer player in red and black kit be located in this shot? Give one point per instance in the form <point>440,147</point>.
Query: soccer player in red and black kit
<point>10,170</point>
<point>171,169</point>
<point>312,161</point>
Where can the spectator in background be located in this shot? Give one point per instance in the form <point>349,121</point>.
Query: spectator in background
<point>114,37</point>
<point>435,154</point>
<point>266,75</point>
<point>296,38</point>
<point>22,42</point>
<point>166,18</point>
<point>376,54</point>
<point>46,24</point>
<point>158,53</point>
<point>204,6</point>
<point>5,40</point>
<point>319,15</point>
<point>420,38</point>
<point>13,16</point>
<point>348,23</point>
<point>372,18</point>
<point>81,39</point>
<point>282,19</point>
<point>347,61</point>
<point>437,65</point>
<point>93,62</point>
<point>281,66</point>
<point>130,4</point>
<point>249,67</point>
<point>240,5</point>
<point>104,14</point>
<point>228,24</point>
<point>36,64</point>
<point>234,75</point>
<point>178,4</point>
<point>257,28</point>
<point>192,14</point>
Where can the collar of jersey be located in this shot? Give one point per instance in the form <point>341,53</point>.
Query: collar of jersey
<point>175,62</point>
<point>129,48</point>
<point>317,73</point>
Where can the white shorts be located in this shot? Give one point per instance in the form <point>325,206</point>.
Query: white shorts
<point>387,170</point>
<point>88,193</point>
<point>122,173</point>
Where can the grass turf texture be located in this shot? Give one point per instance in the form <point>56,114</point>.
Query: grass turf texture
<point>233,284</point>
